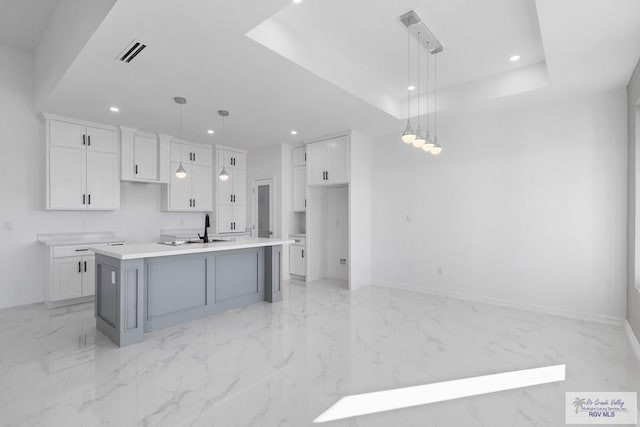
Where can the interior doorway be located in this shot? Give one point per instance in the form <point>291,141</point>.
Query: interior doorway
<point>262,207</point>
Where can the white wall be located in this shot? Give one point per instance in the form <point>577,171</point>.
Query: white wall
<point>22,197</point>
<point>360,210</point>
<point>633,131</point>
<point>525,207</point>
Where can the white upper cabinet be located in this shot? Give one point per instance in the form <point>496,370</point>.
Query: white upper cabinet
<point>300,156</point>
<point>194,193</point>
<point>82,165</point>
<point>232,159</point>
<point>145,156</point>
<point>328,161</point>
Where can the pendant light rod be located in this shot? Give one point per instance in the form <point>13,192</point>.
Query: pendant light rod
<point>223,173</point>
<point>181,173</point>
<point>412,21</point>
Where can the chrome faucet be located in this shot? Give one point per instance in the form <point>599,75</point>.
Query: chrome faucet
<point>207,224</point>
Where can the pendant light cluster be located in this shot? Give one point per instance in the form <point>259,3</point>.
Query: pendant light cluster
<point>420,139</point>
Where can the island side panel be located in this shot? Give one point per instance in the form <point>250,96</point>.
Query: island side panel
<point>273,274</point>
<point>119,299</point>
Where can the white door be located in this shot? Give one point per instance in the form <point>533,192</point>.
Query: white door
<point>145,155</point>
<point>88,276</point>
<point>180,189</point>
<point>202,156</point>
<point>63,134</point>
<point>299,189</point>
<point>263,207</point>
<point>102,180</point>
<point>315,164</point>
<point>296,260</point>
<point>202,188</point>
<point>225,219</point>
<point>67,178</point>
<point>336,161</point>
<point>239,187</point>
<point>67,278</point>
<point>102,140</point>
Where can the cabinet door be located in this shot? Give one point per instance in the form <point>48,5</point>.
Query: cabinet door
<point>239,160</point>
<point>67,169</point>
<point>67,278</point>
<point>202,156</point>
<point>145,155</point>
<point>225,188</point>
<point>202,188</point>
<point>88,275</point>
<point>299,189</point>
<point>180,189</point>
<point>225,219</point>
<point>63,134</point>
<point>103,183</point>
<point>315,163</point>
<point>239,187</point>
<point>103,140</point>
<point>239,219</point>
<point>299,156</point>
<point>336,160</point>
<point>296,260</point>
<point>180,152</point>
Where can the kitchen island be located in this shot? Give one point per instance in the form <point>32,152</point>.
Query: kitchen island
<point>144,287</point>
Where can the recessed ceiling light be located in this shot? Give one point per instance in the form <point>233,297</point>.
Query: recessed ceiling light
<point>294,132</point>
<point>412,87</point>
<point>297,1</point>
<point>114,109</point>
<point>211,132</point>
<point>514,58</point>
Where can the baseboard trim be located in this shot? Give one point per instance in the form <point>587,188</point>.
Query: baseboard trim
<point>553,311</point>
<point>633,340</point>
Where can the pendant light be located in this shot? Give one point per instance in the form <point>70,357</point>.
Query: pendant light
<point>420,140</point>
<point>408,136</point>
<point>223,173</point>
<point>181,173</point>
<point>437,148</point>
<point>428,145</point>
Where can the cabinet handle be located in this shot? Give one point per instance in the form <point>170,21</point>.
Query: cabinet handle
<point>303,253</point>
<point>136,169</point>
<point>84,199</point>
<point>305,203</point>
<point>305,157</point>
<point>194,203</point>
<point>327,175</point>
<point>84,139</point>
<point>89,199</point>
<point>194,157</point>
<point>79,267</point>
<point>231,226</point>
<point>85,265</point>
<point>230,198</point>
<point>82,250</point>
<point>88,139</point>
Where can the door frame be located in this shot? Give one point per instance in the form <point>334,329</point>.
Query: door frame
<point>255,182</point>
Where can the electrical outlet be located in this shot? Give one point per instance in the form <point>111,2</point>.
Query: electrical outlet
<point>408,217</point>
<point>439,270</point>
<point>343,261</point>
<point>82,224</point>
<point>8,226</point>
<point>182,222</point>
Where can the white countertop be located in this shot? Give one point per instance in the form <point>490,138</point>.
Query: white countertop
<point>152,250</point>
<point>78,238</point>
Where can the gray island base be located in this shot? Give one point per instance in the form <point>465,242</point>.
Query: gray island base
<point>142,288</point>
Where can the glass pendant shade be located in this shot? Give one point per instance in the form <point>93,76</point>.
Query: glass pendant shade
<point>180,172</point>
<point>437,149</point>
<point>408,136</point>
<point>429,143</point>
<point>420,139</point>
<point>223,174</point>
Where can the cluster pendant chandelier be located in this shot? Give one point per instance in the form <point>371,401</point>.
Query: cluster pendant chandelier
<point>421,139</point>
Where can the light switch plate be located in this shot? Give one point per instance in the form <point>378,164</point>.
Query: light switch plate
<point>113,277</point>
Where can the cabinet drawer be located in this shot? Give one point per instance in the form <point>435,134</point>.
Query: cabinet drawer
<point>75,250</point>
<point>298,240</point>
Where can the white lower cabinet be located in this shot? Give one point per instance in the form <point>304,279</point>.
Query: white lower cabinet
<point>297,260</point>
<point>72,277</point>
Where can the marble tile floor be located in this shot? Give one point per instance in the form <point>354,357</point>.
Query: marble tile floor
<point>283,364</point>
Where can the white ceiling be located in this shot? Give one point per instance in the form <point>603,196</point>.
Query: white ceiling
<point>22,22</point>
<point>326,66</point>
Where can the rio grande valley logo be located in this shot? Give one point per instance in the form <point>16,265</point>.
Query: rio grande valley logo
<point>601,408</point>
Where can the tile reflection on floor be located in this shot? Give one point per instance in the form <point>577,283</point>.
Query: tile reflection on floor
<point>283,364</point>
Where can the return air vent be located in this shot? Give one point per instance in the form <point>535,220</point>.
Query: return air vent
<point>131,51</point>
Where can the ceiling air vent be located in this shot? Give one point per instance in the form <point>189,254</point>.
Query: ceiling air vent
<point>131,51</point>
